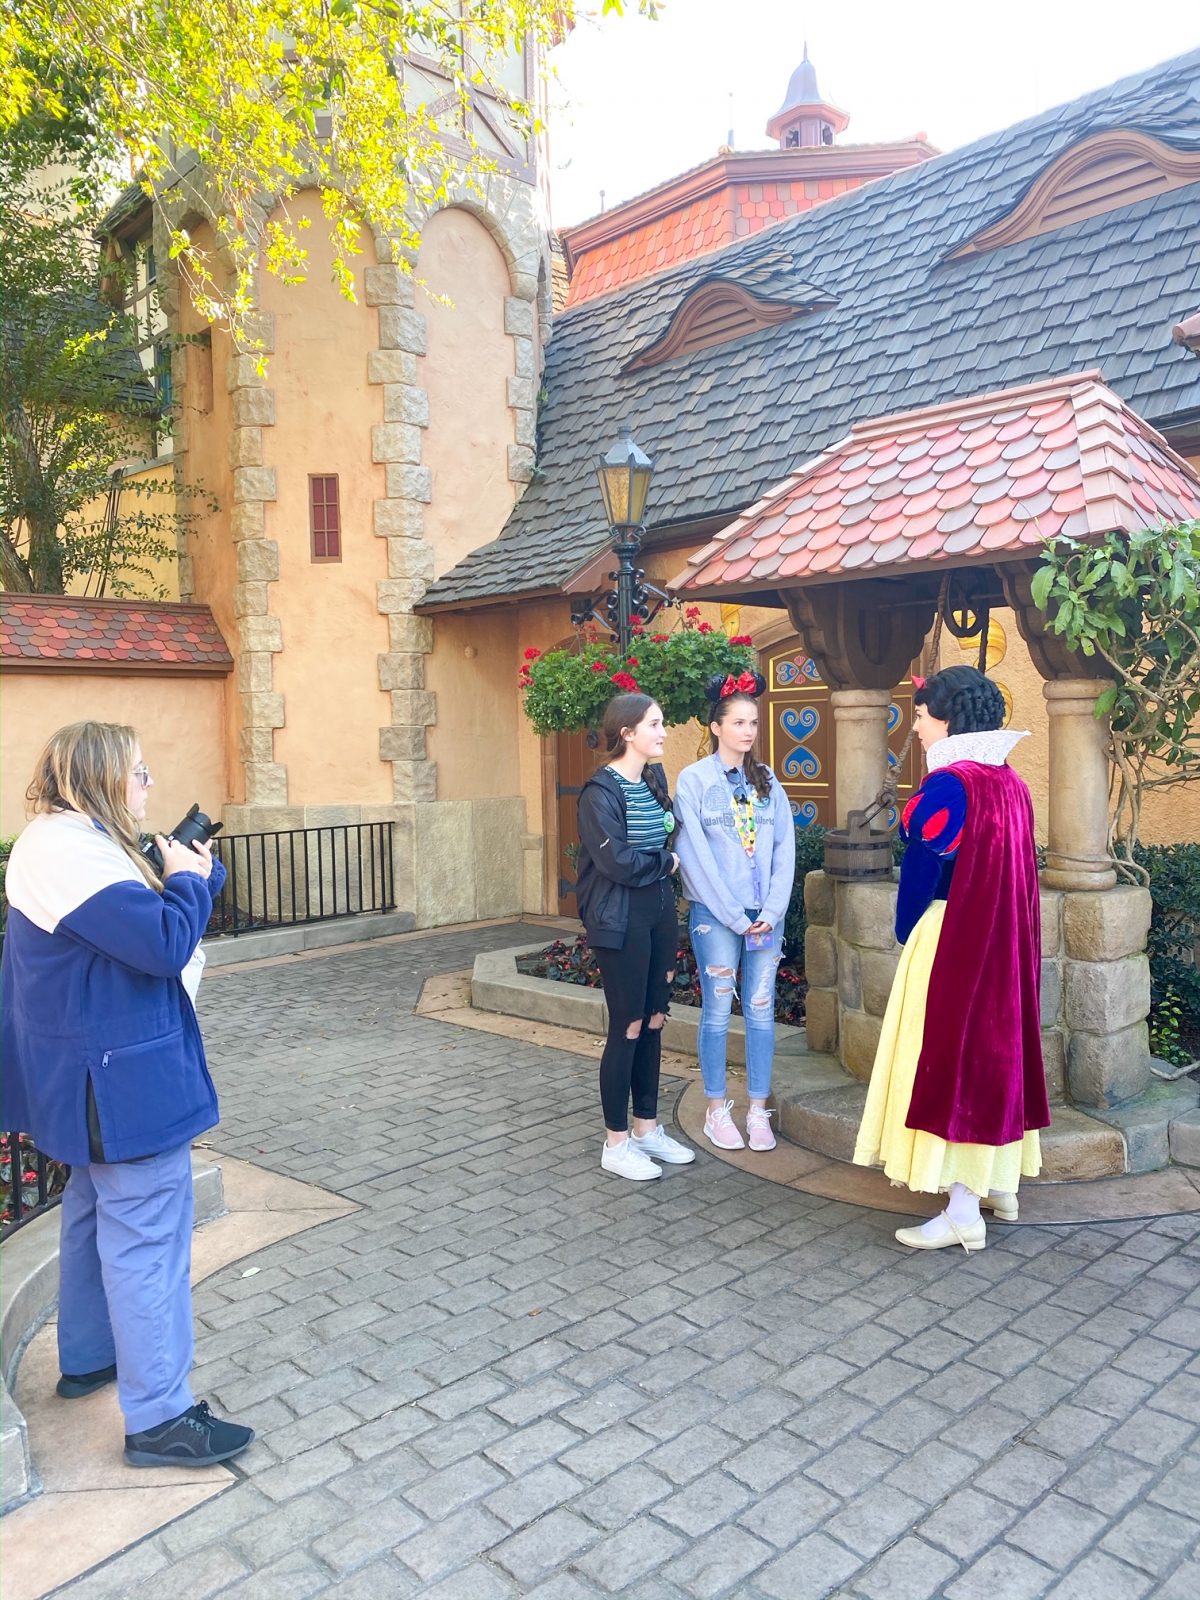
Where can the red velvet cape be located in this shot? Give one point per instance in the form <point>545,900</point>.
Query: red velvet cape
<point>980,1077</point>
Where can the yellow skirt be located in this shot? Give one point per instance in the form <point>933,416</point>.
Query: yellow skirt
<point>922,1161</point>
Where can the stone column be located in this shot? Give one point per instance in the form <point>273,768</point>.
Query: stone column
<point>821,963</point>
<point>1078,821</point>
<point>1106,995</point>
<point>860,745</point>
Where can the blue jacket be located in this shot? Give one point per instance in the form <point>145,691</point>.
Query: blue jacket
<point>91,995</point>
<point>715,868</point>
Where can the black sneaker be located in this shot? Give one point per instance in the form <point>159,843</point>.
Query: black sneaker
<point>74,1385</point>
<point>196,1439</point>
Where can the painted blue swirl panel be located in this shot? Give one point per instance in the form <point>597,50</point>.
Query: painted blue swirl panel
<point>800,723</point>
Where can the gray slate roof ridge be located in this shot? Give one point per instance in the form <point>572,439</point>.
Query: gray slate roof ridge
<point>909,328</point>
<point>868,193</point>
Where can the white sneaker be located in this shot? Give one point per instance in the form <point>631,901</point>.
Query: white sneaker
<point>662,1147</point>
<point>625,1160</point>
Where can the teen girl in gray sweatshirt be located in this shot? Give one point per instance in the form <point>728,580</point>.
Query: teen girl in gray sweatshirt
<point>737,857</point>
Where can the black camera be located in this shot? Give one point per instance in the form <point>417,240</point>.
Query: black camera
<point>195,828</point>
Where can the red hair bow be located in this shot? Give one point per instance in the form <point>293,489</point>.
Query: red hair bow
<point>917,681</point>
<point>745,683</point>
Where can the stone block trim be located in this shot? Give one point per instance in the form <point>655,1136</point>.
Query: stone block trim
<point>252,409</point>
<point>255,486</point>
<point>508,209</point>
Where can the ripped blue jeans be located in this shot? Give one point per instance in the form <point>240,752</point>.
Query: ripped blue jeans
<point>720,955</point>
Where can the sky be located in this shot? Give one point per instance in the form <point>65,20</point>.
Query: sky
<point>635,101</point>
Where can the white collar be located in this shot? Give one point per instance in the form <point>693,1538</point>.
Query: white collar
<point>991,749</point>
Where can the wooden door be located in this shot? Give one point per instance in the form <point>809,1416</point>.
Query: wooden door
<point>575,763</point>
<point>799,742</point>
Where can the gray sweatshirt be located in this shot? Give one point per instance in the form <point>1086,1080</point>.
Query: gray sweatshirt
<point>713,862</point>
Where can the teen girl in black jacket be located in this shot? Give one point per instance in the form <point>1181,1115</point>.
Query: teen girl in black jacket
<point>627,904</point>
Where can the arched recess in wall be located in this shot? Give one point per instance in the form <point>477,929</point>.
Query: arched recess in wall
<point>465,373</point>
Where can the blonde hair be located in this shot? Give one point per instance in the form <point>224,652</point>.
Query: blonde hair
<point>85,767</point>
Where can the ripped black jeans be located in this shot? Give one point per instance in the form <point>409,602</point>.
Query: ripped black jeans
<point>637,986</point>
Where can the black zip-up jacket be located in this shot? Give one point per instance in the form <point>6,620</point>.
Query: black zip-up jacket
<point>609,866</point>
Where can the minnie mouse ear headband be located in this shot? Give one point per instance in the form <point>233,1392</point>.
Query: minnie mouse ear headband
<point>719,688</point>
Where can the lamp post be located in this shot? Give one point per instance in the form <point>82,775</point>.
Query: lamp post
<point>625,473</point>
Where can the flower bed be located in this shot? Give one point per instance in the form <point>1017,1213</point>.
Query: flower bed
<point>574,961</point>
<point>53,1176</point>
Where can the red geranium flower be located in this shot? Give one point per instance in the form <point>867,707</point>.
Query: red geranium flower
<point>532,653</point>
<point>633,662</point>
<point>692,612</point>
<point>704,627</point>
<point>741,638</point>
<point>658,638</point>
<point>598,666</point>
<point>623,680</point>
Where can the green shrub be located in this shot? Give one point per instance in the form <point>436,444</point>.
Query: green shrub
<point>810,855</point>
<point>1174,871</point>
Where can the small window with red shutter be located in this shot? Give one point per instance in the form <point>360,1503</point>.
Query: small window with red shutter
<point>324,517</point>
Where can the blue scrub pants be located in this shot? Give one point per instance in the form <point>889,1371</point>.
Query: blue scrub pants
<point>125,1290</point>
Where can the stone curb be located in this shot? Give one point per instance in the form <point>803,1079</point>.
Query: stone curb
<point>227,949</point>
<point>28,1291</point>
<point>496,985</point>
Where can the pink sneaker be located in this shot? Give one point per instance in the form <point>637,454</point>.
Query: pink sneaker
<point>719,1128</point>
<point>758,1128</point>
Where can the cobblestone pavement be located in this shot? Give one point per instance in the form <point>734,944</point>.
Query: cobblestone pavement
<point>509,1374</point>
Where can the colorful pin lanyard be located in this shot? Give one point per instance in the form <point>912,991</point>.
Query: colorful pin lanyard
<point>744,819</point>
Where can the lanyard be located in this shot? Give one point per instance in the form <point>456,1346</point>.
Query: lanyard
<point>745,820</point>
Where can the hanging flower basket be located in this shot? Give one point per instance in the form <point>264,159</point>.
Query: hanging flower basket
<point>565,691</point>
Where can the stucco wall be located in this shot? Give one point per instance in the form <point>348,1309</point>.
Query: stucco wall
<point>156,498</point>
<point>333,632</point>
<point>205,422</point>
<point>465,373</point>
<point>180,721</point>
<point>472,670</point>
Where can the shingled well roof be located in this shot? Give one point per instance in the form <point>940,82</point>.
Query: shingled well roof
<point>975,480</point>
<point>909,328</point>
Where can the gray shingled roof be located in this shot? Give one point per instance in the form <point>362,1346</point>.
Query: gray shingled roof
<point>908,328</point>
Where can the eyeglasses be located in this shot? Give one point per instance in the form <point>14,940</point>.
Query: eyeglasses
<point>142,774</point>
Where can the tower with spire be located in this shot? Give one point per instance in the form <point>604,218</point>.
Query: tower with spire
<point>733,195</point>
<point>804,120</point>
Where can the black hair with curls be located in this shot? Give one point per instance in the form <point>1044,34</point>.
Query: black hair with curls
<point>719,702</point>
<point>963,698</point>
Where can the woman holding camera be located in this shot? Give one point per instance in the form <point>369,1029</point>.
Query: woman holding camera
<point>737,858</point>
<point>104,1068</point>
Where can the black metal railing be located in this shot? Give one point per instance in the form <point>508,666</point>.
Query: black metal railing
<point>282,880</point>
<point>30,1183</point>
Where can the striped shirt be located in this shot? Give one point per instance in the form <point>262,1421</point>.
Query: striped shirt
<point>644,817</point>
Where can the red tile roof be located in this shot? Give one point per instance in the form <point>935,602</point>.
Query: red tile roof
<point>974,480</point>
<point>68,633</point>
<point>726,198</point>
